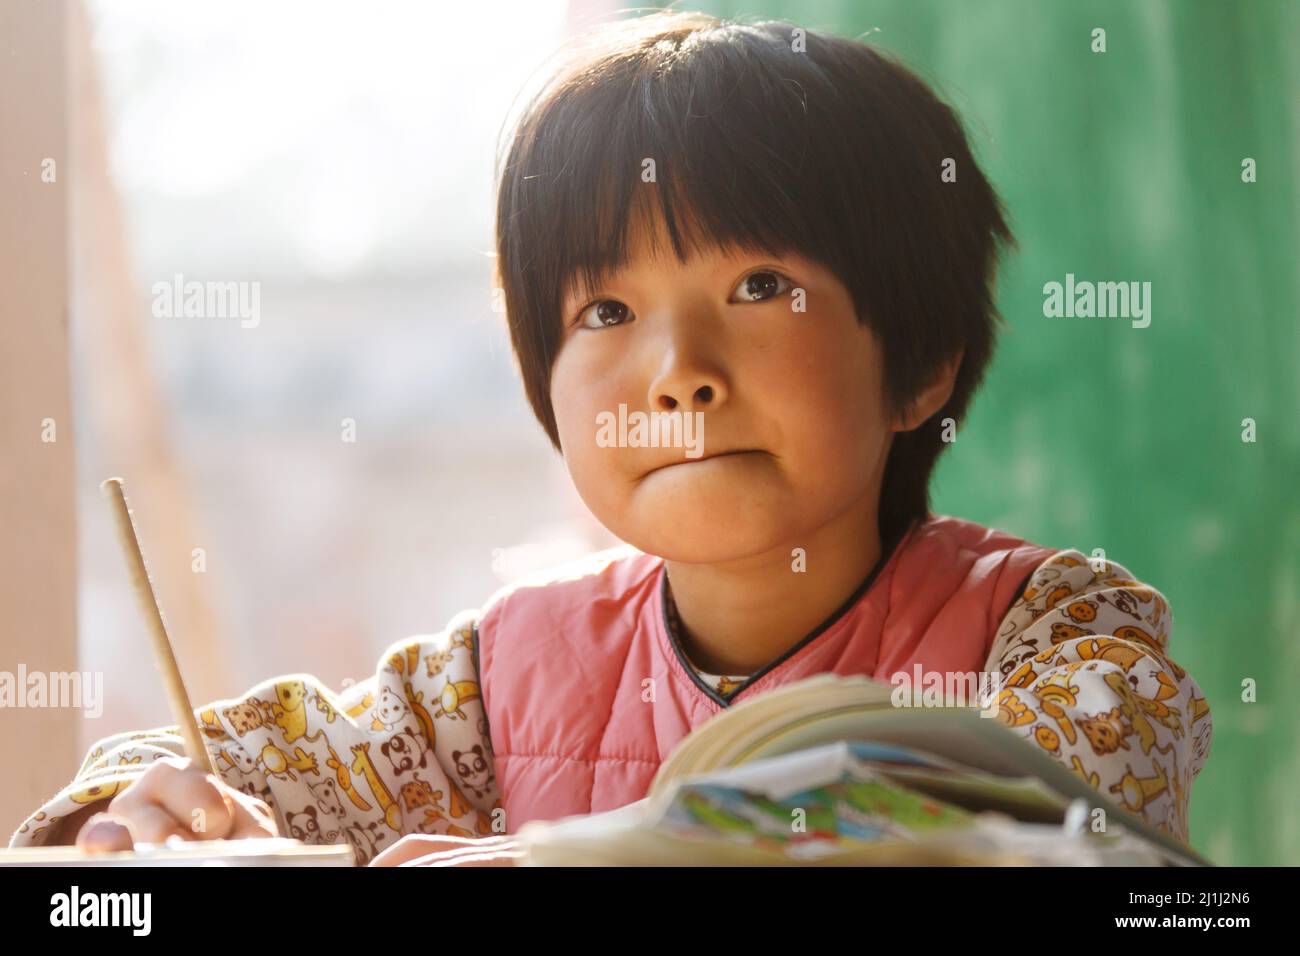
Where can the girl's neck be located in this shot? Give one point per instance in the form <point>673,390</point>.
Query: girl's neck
<point>740,616</point>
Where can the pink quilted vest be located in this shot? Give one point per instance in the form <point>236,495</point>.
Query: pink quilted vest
<point>563,658</point>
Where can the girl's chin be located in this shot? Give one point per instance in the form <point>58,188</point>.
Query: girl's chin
<point>705,513</point>
<point>694,535</point>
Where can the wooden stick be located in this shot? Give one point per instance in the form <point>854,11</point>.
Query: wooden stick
<point>142,583</point>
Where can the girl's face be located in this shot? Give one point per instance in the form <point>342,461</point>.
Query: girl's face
<point>796,428</point>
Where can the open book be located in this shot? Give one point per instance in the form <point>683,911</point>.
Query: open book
<point>829,771</point>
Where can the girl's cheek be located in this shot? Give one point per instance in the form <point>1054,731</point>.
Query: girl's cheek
<point>577,397</point>
<point>568,418</point>
<point>587,384</point>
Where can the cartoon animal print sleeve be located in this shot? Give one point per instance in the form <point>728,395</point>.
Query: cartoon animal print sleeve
<point>1086,676</point>
<point>405,751</point>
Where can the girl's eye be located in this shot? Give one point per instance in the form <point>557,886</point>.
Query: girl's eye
<point>604,312</point>
<point>759,286</point>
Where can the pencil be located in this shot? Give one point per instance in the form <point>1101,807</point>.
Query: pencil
<point>177,697</point>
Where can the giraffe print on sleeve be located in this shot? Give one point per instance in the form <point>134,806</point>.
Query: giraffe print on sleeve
<point>1086,677</point>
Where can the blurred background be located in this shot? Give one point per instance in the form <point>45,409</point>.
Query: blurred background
<point>341,157</point>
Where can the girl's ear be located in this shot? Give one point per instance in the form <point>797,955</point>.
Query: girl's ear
<point>933,397</point>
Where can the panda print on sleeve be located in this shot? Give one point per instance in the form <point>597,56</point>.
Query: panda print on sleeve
<point>405,751</point>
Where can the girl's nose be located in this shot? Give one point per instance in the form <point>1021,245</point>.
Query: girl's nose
<point>687,384</point>
<point>702,401</point>
<point>690,376</point>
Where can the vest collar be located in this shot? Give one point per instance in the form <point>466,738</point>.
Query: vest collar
<point>668,633</point>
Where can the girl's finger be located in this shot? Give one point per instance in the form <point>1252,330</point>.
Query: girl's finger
<point>198,802</point>
<point>104,834</point>
<point>152,824</point>
<point>189,795</point>
<point>252,818</point>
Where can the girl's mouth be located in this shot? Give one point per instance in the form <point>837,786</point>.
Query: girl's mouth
<point>707,457</point>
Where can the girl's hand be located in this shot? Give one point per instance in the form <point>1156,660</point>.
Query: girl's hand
<point>420,850</point>
<point>175,798</point>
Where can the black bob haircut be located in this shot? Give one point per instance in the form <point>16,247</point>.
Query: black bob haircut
<point>834,152</point>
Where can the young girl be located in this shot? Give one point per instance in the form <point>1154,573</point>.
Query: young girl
<point>779,244</point>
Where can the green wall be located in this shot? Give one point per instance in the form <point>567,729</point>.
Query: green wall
<point>1090,433</point>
